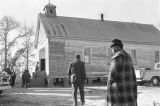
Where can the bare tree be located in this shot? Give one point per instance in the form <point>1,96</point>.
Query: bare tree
<point>15,58</point>
<point>28,44</point>
<point>10,28</point>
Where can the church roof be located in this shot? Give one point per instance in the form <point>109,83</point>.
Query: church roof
<point>91,29</point>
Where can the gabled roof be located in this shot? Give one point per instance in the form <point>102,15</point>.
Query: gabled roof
<point>91,29</point>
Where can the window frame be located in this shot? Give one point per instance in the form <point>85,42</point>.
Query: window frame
<point>134,56</point>
<point>90,58</point>
<point>156,57</point>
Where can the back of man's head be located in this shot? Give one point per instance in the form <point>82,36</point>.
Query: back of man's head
<point>78,57</point>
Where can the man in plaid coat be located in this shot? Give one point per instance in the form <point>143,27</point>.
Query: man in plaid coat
<point>77,75</point>
<point>122,86</point>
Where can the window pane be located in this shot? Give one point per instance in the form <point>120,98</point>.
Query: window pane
<point>156,56</point>
<point>158,65</point>
<point>133,56</point>
<point>87,55</point>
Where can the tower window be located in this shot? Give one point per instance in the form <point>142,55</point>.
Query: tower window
<point>51,11</point>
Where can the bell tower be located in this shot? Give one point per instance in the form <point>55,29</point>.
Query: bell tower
<point>50,10</point>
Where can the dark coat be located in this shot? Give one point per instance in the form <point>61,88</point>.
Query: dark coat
<point>26,77</point>
<point>122,86</point>
<point>77,69</point>
<point>13,75</point>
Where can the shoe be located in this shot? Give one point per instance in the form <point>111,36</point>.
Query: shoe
<point>82,103</point>
<point>75,105</point>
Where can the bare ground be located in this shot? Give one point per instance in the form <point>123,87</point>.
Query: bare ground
<point>62,96</point>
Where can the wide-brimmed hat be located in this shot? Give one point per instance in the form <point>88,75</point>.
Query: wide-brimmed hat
<point>117,42</point>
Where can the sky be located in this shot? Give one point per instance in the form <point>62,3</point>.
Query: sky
<point>140,11</point>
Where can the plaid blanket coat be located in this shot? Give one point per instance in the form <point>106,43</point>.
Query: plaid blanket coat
<point>122,86</point>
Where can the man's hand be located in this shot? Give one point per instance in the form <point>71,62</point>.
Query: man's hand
<point>109,85</point>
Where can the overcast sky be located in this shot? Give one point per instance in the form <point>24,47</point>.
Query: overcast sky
<point>141,11</point>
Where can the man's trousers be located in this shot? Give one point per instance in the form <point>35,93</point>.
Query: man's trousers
<point>75,87</point>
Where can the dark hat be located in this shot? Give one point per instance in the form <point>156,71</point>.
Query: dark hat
<point>78,56</point>
<point>116,42</point>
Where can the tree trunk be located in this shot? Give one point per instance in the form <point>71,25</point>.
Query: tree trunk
<point>27,58</point>
<point>5,53</point>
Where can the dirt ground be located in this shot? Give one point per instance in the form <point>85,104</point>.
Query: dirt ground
<point>147,96</point>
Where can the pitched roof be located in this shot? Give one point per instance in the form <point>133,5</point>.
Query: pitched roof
<point>91,29</point>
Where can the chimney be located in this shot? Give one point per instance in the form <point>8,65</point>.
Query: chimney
<point>102,17</point>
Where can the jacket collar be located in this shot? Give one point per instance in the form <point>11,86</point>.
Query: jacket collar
<point>118,53</point>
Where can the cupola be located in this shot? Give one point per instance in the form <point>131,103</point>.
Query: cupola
<point>50,10</point>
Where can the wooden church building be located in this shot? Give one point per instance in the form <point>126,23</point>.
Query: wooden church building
<point>58,39</point>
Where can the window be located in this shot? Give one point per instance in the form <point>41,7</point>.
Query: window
<point>156,56</point>
<point>87,55</point>
<point>158,66</point>
<point>133,56</point>
<point>109,53</point>
<point>51,11</point>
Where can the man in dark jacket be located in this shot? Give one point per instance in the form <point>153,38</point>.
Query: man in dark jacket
<point>26,79</point>
<point>13,77</point>
<point>122,86</point>
<point>77,75</point>
<point>23,80</point>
